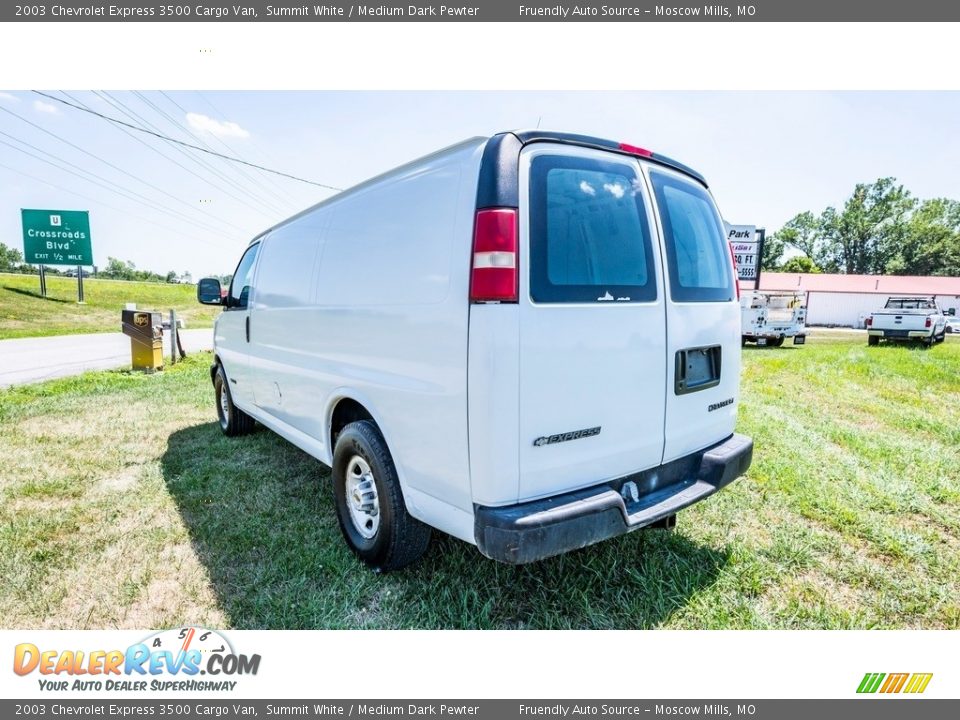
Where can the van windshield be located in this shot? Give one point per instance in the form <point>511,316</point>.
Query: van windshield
<point>589,239</point>
<point>698,258</point>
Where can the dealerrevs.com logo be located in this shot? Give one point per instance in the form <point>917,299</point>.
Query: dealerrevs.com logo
<point>169,660</point>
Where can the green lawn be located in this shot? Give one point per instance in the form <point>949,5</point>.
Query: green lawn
<point>121,505</point>
<point>24,313</point>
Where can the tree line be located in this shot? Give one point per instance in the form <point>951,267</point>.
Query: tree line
<point>11,261</point>
<point>881,229</point>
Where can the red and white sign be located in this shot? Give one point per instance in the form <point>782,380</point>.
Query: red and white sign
<point>745,245</point>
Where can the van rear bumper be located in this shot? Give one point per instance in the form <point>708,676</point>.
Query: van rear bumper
<point>531,531</point>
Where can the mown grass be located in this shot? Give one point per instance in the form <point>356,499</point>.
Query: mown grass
<point>25,313</point>
<point>121,505</point>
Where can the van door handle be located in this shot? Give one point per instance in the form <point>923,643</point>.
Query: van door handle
<point>696,369</point>
<point>248,328</point>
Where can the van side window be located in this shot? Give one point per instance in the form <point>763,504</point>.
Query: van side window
<point>589,236</point>
<point>243,278</point>
<point>698,258</point>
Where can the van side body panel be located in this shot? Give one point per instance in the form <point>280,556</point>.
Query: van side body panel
<point>386,326</point>
<point>494,389</point>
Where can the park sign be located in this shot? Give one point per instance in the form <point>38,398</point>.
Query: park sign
<point>746,246</point>
<point>56,237</point>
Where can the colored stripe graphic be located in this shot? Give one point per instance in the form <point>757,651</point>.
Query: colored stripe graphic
<point>918,682</point>
<point>894,683</point>
<point>870,682</point>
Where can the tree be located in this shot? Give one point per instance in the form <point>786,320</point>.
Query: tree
<point>931,244</point>
<point>877,230</point>
<point>864,236</point>
<point>10,259</point>
<point>119,270</point>
<point>801,232</point>
<point>799,264</point>
<point>171,276</point>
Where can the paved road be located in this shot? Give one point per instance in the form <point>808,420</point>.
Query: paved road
<point>27,360</point>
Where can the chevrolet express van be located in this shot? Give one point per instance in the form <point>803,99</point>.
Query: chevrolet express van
<point>529,341</point>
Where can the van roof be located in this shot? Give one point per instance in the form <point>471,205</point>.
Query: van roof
<point>499,182</point>
<point>499,170</point>
<point>530,136</point>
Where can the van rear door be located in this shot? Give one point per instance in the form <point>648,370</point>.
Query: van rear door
<point>703,316</point>
<point>593,367</point>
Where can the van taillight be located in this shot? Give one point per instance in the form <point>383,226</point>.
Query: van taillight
<point>928,323</point>
<point>634,150</point>
<point>736,274</point>
<point>869,321</point>
<point>493,277</point>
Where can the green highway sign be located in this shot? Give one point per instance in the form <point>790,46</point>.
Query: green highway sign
<point>56,237</point>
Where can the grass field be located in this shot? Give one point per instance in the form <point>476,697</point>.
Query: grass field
<point>24,313</point>
<point>121,505</point>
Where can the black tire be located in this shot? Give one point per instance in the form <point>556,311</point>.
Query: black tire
<point>743,341</point>
<point>398,539</point>
<point>942,336</point>
<point>778,342</point>
<point>873,340</point>
<point>233,421</point>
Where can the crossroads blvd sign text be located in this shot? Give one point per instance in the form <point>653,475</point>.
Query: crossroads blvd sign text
<point>56,237</point>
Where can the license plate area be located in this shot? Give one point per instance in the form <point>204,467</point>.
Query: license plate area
<point>697,369</point>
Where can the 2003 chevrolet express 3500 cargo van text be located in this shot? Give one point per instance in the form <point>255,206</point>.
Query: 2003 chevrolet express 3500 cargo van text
<point>529,341</point>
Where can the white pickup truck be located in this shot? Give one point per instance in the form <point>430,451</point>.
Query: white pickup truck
<point>907,318</point>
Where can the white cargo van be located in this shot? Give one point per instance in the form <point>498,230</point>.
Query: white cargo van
<point>530,342</point>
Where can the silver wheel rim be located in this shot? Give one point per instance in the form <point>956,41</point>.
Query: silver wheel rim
<point>224,403</point>
<point>361,497</point>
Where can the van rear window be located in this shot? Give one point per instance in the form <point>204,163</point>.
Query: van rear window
<point>698,258</point>
<point>589,239</point>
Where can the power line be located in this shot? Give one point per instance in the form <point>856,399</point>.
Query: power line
<point>241,172</point>
<point>105,184</point>
<point>201,161</point>
<point>101,203</point>
<point>117,104</point>
<point>111,165</point>
<point>261,182</point>
<point>180,142</point>
<point>265,157</point>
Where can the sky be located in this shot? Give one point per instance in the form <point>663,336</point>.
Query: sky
<point>767,156</point>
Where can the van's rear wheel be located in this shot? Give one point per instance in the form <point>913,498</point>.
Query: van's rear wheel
<point>873,340</point>
<point>373,516</point>
<point>233,421</point>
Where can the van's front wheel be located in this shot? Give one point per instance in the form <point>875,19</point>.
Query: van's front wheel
<point>370,507</point>
<point>233,421</point>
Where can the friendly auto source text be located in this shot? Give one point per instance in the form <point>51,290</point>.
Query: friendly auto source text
<point>582,11</point>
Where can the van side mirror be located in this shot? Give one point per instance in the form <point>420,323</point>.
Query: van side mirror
<point>952,312</point>
<point>208,292</point>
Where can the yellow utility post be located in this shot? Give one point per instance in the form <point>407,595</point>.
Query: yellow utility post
<point>145,330</point>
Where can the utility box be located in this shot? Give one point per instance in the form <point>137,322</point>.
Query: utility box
<point>145,330</point>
